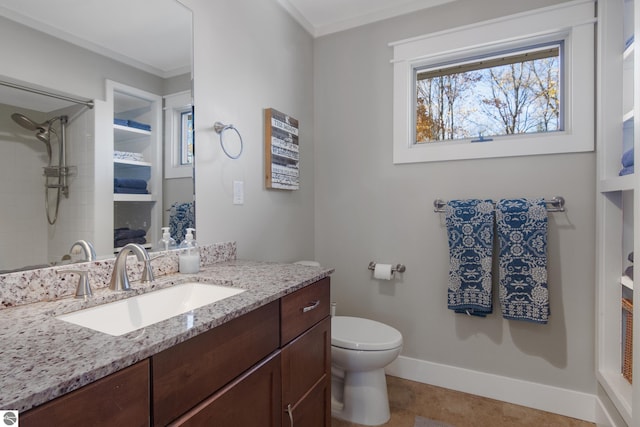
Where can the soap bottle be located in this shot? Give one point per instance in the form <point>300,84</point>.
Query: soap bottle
<point>189,258</point>
<point>167,242</point>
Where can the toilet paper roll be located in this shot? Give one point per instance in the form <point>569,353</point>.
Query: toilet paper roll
<point>383,272</point>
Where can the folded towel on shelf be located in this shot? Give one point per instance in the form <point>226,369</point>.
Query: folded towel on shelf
<point>470,236</point>
<point>628,170</point>
<point>130,183</point>
<point>628,42</point>
<point>131,124</point>
<point>138,125</point>
<point>181,217</point>
<point>121,242</point>
<point>127,155</point>
<point>522,231</point>
<point>127,233</point>
<point>627,158</point>
<point>129,190</point>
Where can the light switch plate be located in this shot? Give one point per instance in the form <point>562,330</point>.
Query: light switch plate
<point>238,192</point>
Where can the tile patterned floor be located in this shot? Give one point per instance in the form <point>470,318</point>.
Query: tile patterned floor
<point>409,398</point>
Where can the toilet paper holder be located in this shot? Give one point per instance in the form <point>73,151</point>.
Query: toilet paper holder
<point>398,268</point>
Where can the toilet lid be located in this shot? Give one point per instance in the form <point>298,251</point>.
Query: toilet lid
<point>363,334</point>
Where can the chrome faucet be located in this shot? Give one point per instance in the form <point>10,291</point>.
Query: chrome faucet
<point>119,278</point>
<point>87,248</point>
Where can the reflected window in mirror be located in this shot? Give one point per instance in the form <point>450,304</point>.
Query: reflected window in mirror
<point>178,134</point>
<point>186,137</point>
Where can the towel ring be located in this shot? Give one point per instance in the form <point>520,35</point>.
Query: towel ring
<point>220,128</point>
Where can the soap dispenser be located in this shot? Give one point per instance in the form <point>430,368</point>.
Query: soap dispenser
<point>189,258</point>
<point>167,242</point>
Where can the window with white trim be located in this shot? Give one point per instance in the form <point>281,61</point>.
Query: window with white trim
<point>178,135</point>
<point>514,86</point>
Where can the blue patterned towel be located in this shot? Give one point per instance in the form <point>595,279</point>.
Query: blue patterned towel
<point>181,217</point>
<point>470,233</point>
<point>522,230</point>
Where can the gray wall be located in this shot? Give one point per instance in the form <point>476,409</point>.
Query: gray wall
<point>52,63</point>
<point>368,209</point>
<point>251,55</point>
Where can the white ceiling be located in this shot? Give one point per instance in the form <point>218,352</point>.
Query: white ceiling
<point>321,17</point>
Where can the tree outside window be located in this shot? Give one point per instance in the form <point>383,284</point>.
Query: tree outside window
<point>507,94</point>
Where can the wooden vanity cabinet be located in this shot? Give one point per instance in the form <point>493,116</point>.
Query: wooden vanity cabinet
<point>190,372</point>
<point>120,399</point>
<point>270,367</point>
<point>306,356</point>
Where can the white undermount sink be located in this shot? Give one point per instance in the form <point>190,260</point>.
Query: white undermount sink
<point>119,317</point>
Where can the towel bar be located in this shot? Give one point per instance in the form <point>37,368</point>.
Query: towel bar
<point>555,204</point>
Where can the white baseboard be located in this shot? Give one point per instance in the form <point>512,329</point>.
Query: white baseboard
<point>604,418</point>
<point>557,400</point>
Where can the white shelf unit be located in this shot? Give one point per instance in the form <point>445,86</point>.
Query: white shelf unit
<point>138,211</point>
<point>617,210</point>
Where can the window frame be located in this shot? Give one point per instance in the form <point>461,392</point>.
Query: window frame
<point>174,106</point>
<point>186,115</point>
<point>572,23</point>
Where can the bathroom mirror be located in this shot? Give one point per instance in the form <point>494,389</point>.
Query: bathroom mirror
<point>72,48</point>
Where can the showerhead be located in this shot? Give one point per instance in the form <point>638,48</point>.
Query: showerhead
<point>44,135</point>
<point>44,130</point>
<point>27,123</point>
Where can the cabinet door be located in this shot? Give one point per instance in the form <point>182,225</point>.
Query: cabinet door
<point>188,373</point>
<point>312,411</point>
<point>306,370</point>
<point>251,400</point>
<point>121,399</point>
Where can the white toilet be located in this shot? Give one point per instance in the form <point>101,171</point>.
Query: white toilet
<point>360,349</point>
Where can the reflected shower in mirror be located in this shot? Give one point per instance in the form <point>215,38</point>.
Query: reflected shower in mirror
<point>55,175</point>
<point>52,146</point>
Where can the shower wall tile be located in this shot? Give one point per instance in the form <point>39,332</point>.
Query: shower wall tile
<point>22,221</point>
<point>73,217</point>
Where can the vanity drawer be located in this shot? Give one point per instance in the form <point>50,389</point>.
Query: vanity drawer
<point>304,308</point>
<point>188,373</point>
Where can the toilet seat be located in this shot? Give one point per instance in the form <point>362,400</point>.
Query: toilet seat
<point>355,333</point>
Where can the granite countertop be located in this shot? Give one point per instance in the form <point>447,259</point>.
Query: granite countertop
<point>42,357</point>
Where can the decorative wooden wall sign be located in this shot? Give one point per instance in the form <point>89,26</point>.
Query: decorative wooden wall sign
<point>281,150</point>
